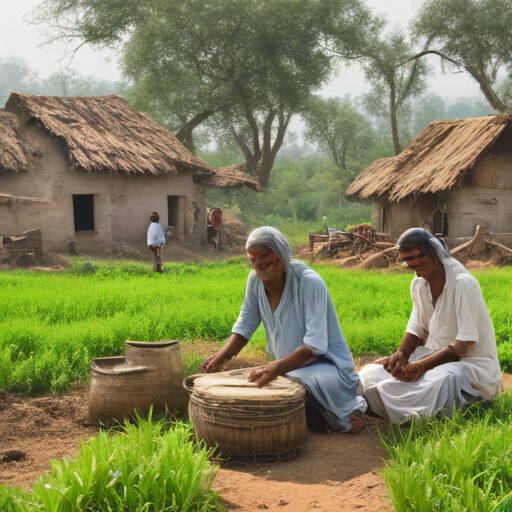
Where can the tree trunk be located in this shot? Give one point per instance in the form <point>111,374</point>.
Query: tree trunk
<point>394,121</point>
<point>488,91</point>
<point>270,153</point>
<point>184,134</point>
<point>251,161</point>
<point>478,75</point>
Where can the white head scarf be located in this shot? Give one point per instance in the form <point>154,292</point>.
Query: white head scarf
<point>275,240</point>
<point>416,237</point>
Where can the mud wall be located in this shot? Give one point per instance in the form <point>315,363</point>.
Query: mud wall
<point>484,198</point>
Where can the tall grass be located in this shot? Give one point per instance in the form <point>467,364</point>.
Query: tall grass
<point>52,325</point>
<point>461,464</point>
<point>148,467</point>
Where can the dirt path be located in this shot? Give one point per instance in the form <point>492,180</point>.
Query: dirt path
<point>335,472</point>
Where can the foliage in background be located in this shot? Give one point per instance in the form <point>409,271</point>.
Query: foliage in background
<point>253,63</point>
<point>337,128</point>
<point>454,465</point>
<point>148,467</point>
<point>301,193</point>
<point>472,35</point>
<point>395,80</point>
<point>17,75</point>
<point>52,325</point>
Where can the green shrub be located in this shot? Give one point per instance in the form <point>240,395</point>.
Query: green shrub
<point>459,464</point>
<point>148,467</point>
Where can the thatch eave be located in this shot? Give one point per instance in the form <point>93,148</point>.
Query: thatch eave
<point>232,176</point>
<point>14,154</point>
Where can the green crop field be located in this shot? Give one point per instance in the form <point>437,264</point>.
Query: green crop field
<point>148,467</point>
<point>458,464</point>
<point>53,324</point>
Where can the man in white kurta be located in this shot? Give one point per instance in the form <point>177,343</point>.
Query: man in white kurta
<point>460,314</point>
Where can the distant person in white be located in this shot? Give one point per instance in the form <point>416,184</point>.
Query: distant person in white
<point>156,240</point>
<point>448,353</point>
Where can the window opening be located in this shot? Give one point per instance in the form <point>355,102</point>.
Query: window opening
<point>83,212</point>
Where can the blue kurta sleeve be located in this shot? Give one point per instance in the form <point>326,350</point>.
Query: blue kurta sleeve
<point>249,318</point>
<point>315,303</point>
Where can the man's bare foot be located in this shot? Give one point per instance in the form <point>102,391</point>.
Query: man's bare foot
<point>357,424</point>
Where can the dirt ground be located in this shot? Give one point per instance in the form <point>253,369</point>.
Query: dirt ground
<point>335,472</point>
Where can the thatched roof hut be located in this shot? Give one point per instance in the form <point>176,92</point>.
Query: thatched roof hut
<point>233,176</point>
<point>456,170</point>
<point>437,159</point>
<point>13,150</point>
<point>100,167</point>
<point>107,133</point>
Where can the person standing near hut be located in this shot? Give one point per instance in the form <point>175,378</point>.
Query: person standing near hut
<point>448,354</point>
<point>302,328</point>
<point>216,233</point>
<point>156,240</point>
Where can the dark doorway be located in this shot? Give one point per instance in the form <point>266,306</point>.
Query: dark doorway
<point>175,215</point>
<point>83,212</point>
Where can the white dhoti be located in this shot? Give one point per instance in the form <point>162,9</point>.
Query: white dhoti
<point>439,390</point>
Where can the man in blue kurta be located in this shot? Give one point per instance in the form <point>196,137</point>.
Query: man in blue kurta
<point>302,328</point>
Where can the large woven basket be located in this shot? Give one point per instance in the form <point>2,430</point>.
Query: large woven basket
<point>245,421</point>
<point>149,375</point>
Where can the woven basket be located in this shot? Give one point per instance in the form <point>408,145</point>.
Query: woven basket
<point>245,421</point>
<point>150,374</point>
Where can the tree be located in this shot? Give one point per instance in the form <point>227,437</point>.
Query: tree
<point>253,63</point>
<point>69,82</point>
<point>426,109</point>
<point>473,35</point>
<point>340,129</point>
<point>16,75</point>
<point>387,66</point>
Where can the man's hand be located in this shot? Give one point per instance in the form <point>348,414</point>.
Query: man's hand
<point>394,363</point>
<point>411,373</point>
<point>264,374</point>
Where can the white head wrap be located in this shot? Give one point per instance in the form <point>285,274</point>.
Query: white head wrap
<point>275,240</point>
<point>416,237</point>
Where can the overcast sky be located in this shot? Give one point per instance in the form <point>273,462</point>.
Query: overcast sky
<point>23,40</point>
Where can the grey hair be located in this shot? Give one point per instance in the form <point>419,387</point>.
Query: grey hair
<point>275,240</point>
<point>416,237</point>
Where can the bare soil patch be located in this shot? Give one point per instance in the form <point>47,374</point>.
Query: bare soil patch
<point>336,471</point>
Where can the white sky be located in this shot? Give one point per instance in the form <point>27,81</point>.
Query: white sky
<point>23,40</point>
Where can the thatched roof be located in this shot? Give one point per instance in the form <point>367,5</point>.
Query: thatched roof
<point>106,133</point>
<point>13,152</point>
<point>233,176</point>
<point>436,160</point>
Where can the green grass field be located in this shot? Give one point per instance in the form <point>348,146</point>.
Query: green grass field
<point>459,464</point>
<point>53,324</point>
<point>147,467</point>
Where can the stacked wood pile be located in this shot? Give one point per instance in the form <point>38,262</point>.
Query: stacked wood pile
<point>359,243</point>
<point>483,248</point>
<point>28,244</point>
<point>363,247</point>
